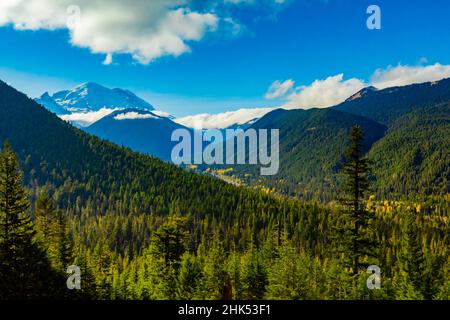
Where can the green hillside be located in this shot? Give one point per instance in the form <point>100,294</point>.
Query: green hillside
<point>100,177</point>
<point>386,105</point>
<point>414,156</point>
<point>411,160</point>
<point>312,144</point>
<point>139,228</point>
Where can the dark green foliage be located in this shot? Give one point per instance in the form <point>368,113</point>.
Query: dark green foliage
<point>312,145</point>
<point>189,277</point>
<point>387,105</point>
<point>52,232</point>
<point>411,159</point>
<point>253,275</point>
<point>169,241</point>
<point>89,177</point>
<point>355,187</point>
<point>414,157</point>
<point>25,271</point>
<point>412,260</point>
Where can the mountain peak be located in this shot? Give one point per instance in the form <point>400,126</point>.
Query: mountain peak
<point>90,85</point>
<point>91,96</point>
<point>362,93</point>
<point>49,103</point>
<point>45,95</point>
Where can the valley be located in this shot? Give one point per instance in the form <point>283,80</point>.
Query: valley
<point>141,228</point>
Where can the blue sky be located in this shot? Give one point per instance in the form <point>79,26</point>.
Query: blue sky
<point>232,66</point>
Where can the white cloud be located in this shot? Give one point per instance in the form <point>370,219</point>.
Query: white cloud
<point>85,119</point>
<point>162,114</point>
<point>323,93</point>
<point>333,90</point>
<point>320,93</point>
<point>134,116</point>
<point>279,89</point>
<point>145,29</point>
<point>222,120</point>
<point>108,59</point>
<point>404,75</point>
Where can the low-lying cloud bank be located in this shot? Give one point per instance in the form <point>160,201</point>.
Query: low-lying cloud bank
<point>222,120</point>
<point>85,119</point>
<point>134,116</point>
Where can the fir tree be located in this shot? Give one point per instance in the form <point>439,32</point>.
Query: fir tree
<point>356,184</point>
<point>169,241</point>
<point>24,269</point>
<point>216,283</point>
<point>52,233</point>
<point>288,275</point>
<point>188,278</point>
<point>412,261</point>
<point>253,275</point>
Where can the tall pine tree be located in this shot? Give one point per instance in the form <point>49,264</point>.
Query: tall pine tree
<point>356,185</point>
<point>52,233</point>
<point>25,271</point>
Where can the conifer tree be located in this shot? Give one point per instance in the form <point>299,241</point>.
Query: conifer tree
<point>216,283</point>
<point>412,261</point>
<point>355,186</point>
<point>169,241</point>
<point>25,271</point>
<point>16,229</point>
<point>188,278</point>
<point>45,214</point>
<point>253,275</point>
<point>64,249</point>
<point>234,270</point>
<point>443,290</point>
<point>51,227</point>
<point>288,275</point>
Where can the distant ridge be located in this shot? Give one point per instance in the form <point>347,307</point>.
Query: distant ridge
<point>140,130</point>
<point>387,105</point>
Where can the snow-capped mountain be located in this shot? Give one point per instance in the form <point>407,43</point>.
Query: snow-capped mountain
<point>90,97</point>
<point>48,103</point>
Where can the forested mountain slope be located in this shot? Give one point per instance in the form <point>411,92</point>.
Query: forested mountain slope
<point>139,130</point>
<point>90,175</point>
<point>386,105</point>
<point>414,156</point>
<point>411,160</point>
<point>312,143</point>
<point>139,228</point>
